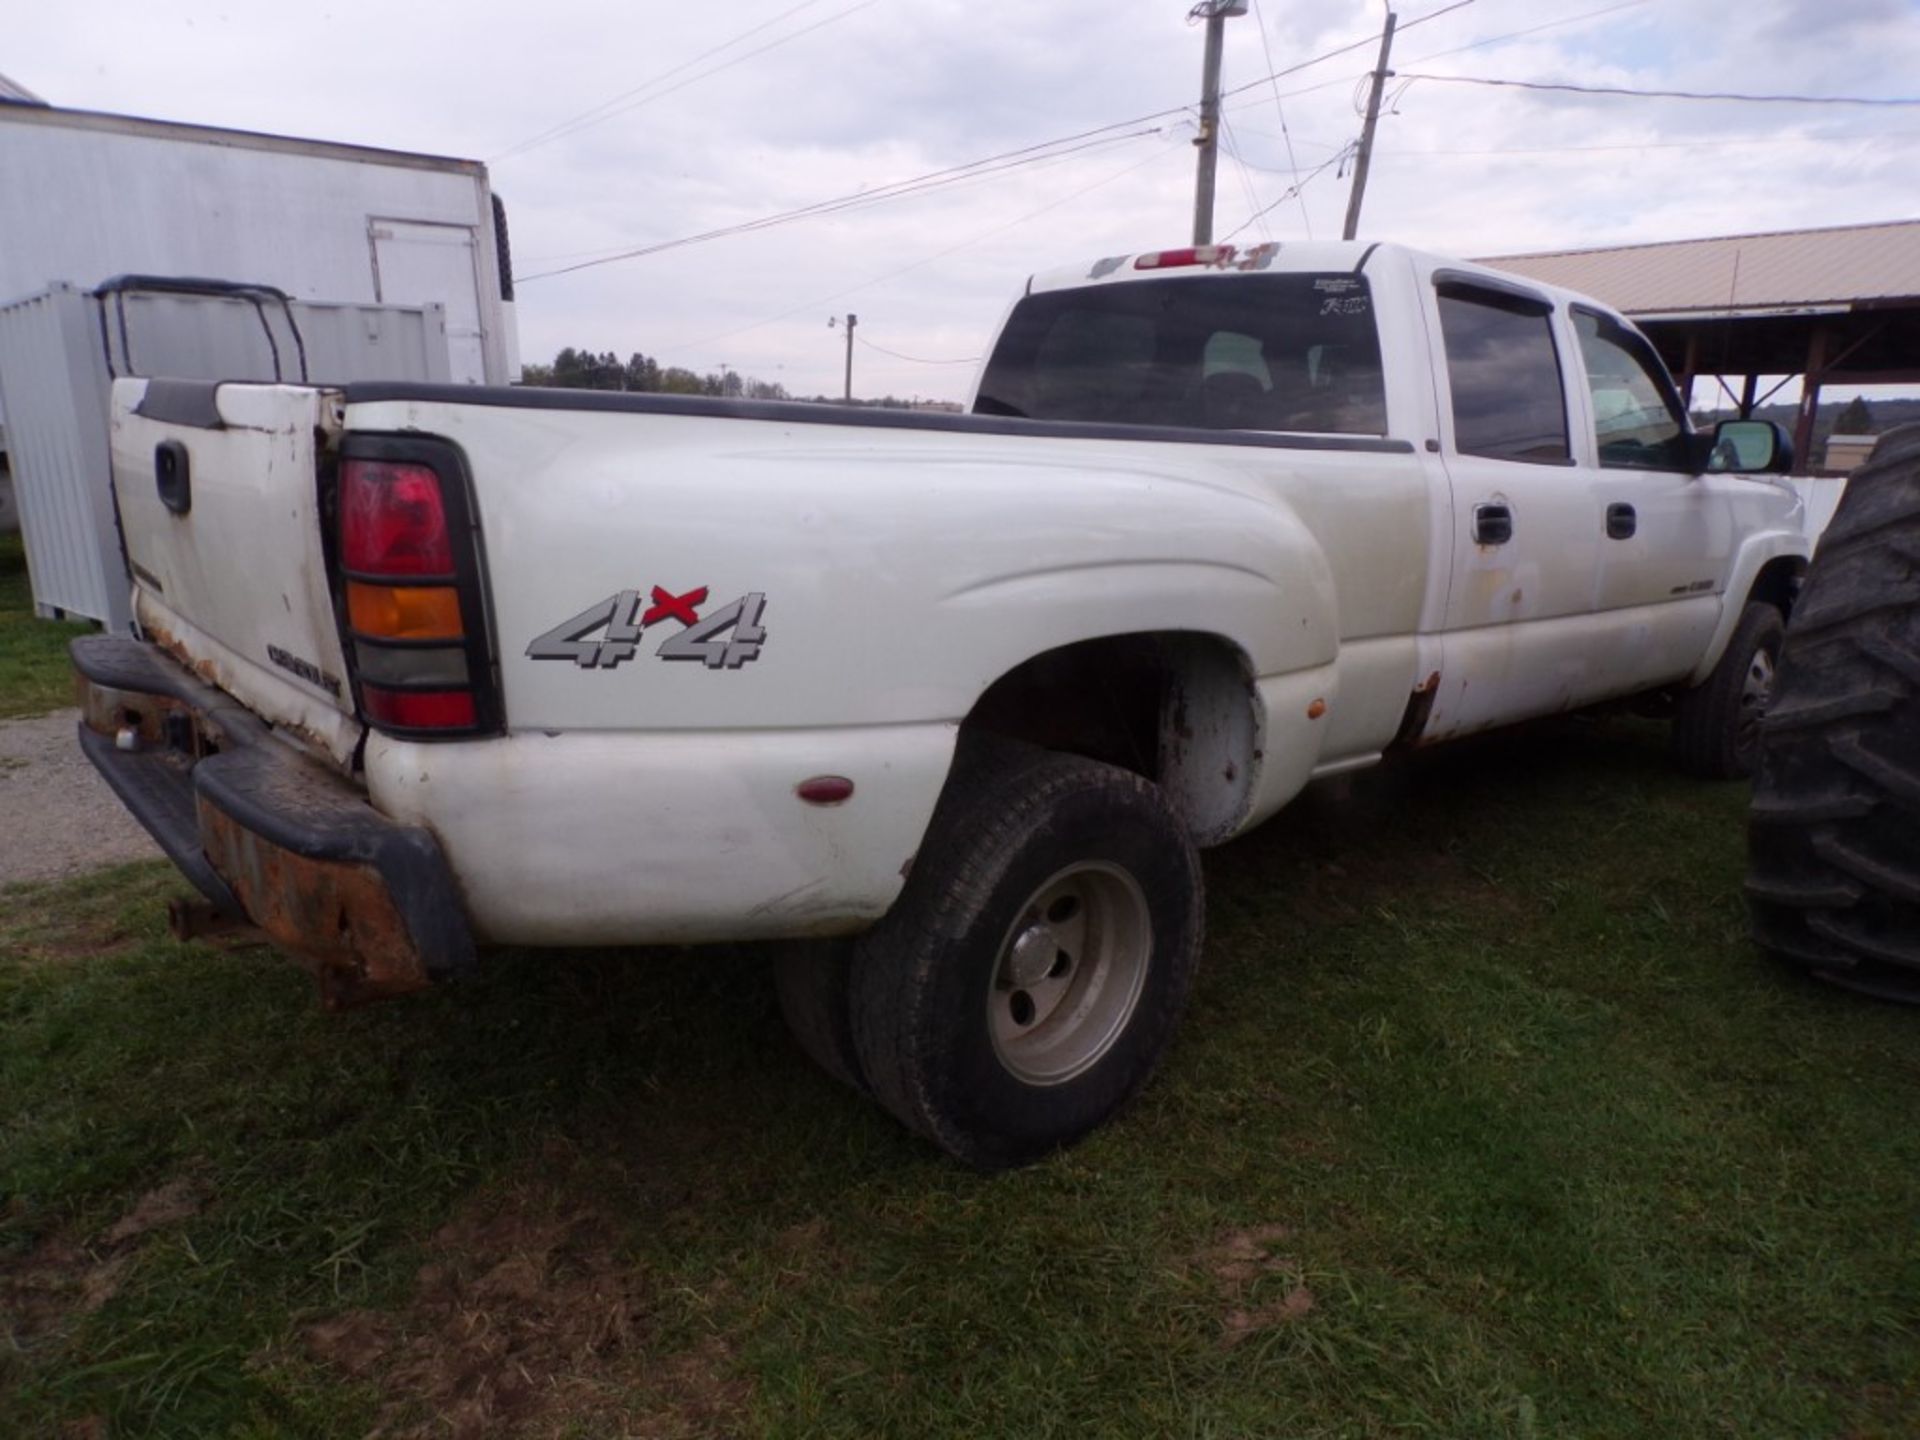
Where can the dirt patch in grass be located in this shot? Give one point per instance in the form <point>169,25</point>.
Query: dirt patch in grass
<point>525,1320</point>
<point>1245,1266</point>
<point>59,1281</point>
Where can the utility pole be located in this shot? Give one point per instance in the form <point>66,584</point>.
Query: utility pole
<point>1208,140</point>
<point>1380,77</point>
<point>852,320</point>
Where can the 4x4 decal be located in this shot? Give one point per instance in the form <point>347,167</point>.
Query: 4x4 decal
<point>725,640</point>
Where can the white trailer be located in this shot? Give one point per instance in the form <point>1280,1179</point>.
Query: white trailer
<point>87,196</point>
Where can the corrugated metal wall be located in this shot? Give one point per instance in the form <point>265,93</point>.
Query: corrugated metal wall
<point>54,380</point>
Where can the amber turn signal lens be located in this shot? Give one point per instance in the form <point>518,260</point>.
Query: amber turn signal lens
<point>404,612</point>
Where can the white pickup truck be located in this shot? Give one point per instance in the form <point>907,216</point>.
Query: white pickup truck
<point>424,669</point>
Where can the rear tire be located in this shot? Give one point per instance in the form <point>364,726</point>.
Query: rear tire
<point>811,980</point>
<point>1033,972</point>
<point>1716,725</point>
<point>1833,879</point>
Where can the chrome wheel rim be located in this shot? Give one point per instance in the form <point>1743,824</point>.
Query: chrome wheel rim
<point>1756,694</point>
<point>1069,973</point>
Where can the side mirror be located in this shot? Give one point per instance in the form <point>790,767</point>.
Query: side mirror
<point>1749,447</point>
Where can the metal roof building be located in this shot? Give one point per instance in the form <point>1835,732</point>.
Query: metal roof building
<point>1835,306</point>
<point>13,92</point>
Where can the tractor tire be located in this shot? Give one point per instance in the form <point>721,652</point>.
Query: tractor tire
<point>1833,879</point>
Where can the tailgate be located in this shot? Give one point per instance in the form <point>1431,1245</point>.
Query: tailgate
<point>219,496</point>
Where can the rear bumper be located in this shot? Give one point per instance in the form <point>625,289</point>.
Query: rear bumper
<point>369,905</point>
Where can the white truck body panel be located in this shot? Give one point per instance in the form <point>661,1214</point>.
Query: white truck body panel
<point>240,626</point>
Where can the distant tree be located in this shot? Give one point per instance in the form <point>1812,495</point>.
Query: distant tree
<point>584,370</point>
<point>1856,419</point>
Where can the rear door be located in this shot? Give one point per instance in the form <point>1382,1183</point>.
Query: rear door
<point>219,498</point>
<point>417,262</point>
<point>1525,547</point>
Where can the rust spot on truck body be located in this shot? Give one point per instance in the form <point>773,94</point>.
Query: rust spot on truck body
<point>210,672</point>
<point>337,918</point>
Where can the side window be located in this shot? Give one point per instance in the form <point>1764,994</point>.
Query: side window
<point>1636,418</point>
<point>1504,370</point>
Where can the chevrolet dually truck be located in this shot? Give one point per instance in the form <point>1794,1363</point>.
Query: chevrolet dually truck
<point>427,669</point>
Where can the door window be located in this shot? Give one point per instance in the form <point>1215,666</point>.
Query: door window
<point>1504,371</point>
<point>1636,416</point>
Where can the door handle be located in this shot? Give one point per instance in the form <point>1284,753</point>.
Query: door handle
<point>1492,524</point>
<point>1621,522</point>
<point>173,476</point>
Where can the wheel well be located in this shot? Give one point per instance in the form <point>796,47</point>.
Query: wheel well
<point>1778,583</point>
<point>1179,709</point>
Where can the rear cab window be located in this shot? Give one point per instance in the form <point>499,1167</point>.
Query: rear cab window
<point>1503,369</point>
<point>1297,352</point>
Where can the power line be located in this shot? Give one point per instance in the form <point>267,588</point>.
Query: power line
<point>1290,191</point>
<point>934,180</point>
<point>1266,50</point>
<point>1530,30</point>
<point>916,359</point>
<point>553,131</point>
<point>859,198</point>
<point>1335,53</point>
<point>883,194</point>
<point>1560,85</point>
<point>1766,140</point>
<point>921,263</point>
<point>1246,180</point>
<point>613,107</point>
<point>972,169</point>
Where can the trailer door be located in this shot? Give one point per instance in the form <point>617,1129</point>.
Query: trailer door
<point>418,262</point>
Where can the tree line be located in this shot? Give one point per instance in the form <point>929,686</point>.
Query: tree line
<point>584,370</point>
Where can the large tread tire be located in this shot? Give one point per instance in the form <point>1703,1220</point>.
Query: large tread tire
<point>1833,880</point>
<point>1716,725</point>
<point>810,978</point>
<point>923,979</point>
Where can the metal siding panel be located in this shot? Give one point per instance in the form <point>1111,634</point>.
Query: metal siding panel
<point>57,443</point>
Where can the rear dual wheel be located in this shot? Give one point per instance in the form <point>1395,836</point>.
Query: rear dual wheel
<point>1032,973</point>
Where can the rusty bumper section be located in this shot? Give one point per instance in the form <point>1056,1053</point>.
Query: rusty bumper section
<point>369,906</point>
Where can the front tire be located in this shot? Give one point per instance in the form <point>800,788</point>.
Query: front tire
<point>1716,725</point>
<point>1033,972</point>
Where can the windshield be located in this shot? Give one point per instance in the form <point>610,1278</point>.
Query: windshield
<point>1232,352</point>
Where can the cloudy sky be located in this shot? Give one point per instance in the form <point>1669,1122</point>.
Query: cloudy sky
<point>708,116</point>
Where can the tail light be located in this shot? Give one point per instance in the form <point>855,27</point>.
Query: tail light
<point>1191,255</point>
<point>411,569</point>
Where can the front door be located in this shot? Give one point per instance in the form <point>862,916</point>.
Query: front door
<point>1669,532</point>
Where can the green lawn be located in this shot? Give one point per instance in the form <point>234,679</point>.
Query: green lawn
<point>34,674</point>
<point>1486,1122</point>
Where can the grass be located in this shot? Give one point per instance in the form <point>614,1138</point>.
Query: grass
<point>1486,1122</point>
<point>34,674</point>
